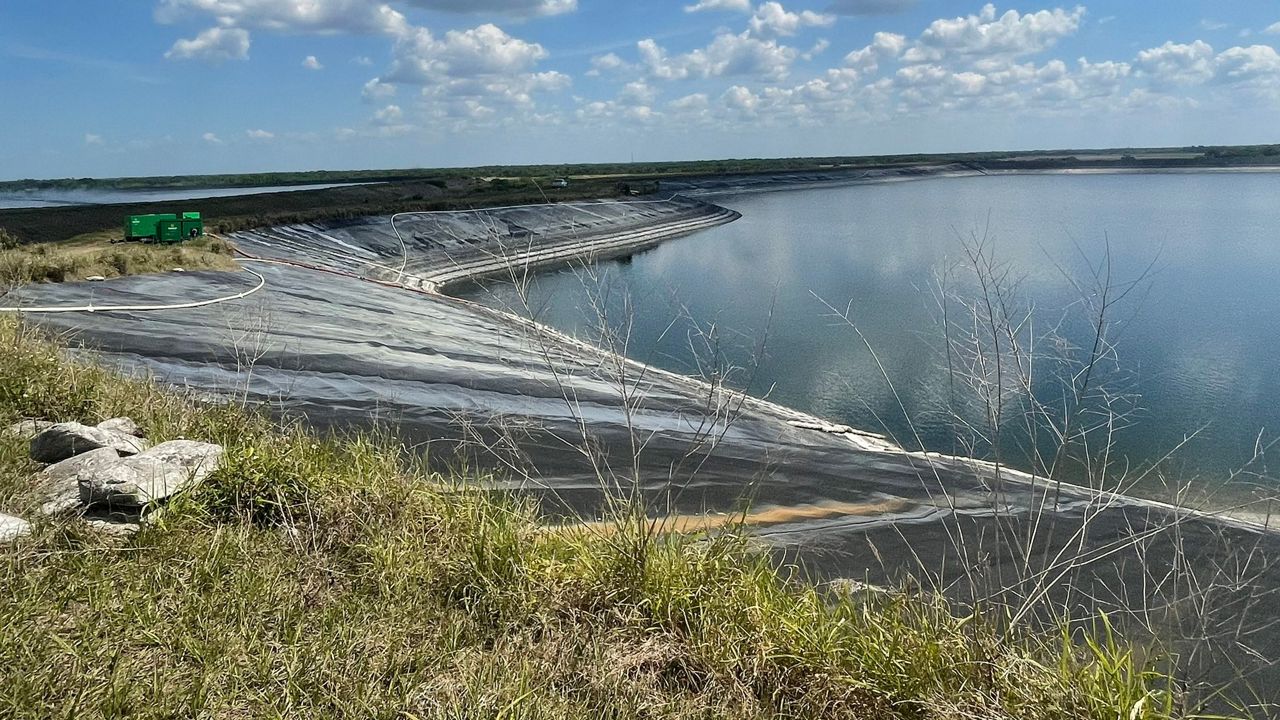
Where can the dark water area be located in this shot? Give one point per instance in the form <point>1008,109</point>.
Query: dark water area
<point>1197,339</point>
<point>58,198</point>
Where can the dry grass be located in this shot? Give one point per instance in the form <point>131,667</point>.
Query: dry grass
<point>341,577</point>
<point>95,254</point>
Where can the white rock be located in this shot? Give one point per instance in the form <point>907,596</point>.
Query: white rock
<point>12,528</point>
<point>63,440</point>
<point>121,425</point>
<point>95,278</point>
<point>61,481</point>
<point>158,473</point>
<point>112,527</point>
<point>27,429</point>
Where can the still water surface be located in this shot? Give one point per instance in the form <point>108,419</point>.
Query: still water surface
<point>56,198</point>
<point>1197,341</point>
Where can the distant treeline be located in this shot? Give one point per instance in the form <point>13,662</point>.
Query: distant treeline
<point>442,177</point>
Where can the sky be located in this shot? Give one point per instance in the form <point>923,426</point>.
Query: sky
<point>97,88</point>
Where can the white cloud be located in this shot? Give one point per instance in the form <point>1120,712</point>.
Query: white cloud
<point>484,50</point>
<point>375,90</point>
<point>1178,64</point>
<point>480,75</point>
<point>93,139</point>
<point>213,45</point>
<point>870,7</point>
<point>259,134</point>
<point>638,93</point>
<point>362,61</point>
<point>517,8</point>
<point>1254,65</point>
<point>693,104</point>
<point>633,104</point>
<point>1104,74</point>
<point>818,48</point>
<point>727,55</point>
<point>389,115</point>
<point>986,34</point>
<point>292,16</point>
<point>1213,25</point>
<point>771,20</point>
<point>343,16</point>
<point>1273,29</point>
<point>741,100</point>
<point>311,63</point>
<point>492,99</point>
<point>732,5</point>
<point>1009,87</point>
<point>211,138</point>
<point>990,60</point>
<point>883,46</point>
<point>607,63</point>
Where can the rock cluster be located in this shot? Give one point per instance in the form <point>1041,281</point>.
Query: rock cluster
<point>108,473</point>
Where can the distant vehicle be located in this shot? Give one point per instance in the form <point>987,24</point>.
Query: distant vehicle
<point>560,183</point>
<point>164,227</point>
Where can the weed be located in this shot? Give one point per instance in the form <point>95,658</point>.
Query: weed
<point>331,576</point>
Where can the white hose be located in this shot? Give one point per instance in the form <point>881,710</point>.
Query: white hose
<point>140,308</point>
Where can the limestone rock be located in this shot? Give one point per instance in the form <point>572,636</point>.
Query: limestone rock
<point>113,527</point>
<point>158,473</point>
<point>63,440</point>
<point>61,481</point>
<point>850,587</point>
<point>12,528</point>
<point>27,429</point>
<point>121,425</point>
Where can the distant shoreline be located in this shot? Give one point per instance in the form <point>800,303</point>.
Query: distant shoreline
<point>839,177</point>
<point>375,193</point>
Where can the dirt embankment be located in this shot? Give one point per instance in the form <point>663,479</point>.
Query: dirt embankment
<point>228,214</point>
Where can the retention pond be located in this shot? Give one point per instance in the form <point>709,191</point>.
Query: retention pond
<point>1196,339</point>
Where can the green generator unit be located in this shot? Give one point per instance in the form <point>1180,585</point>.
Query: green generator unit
<point>164,227</point>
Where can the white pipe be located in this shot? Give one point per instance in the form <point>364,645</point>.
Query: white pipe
<point>140,308</point>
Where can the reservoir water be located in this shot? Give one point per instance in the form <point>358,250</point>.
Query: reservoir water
<point>1193,383</point>
<point>56,198</point>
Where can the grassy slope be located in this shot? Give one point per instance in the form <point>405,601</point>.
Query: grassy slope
<point>95,254</point>
<point>315,577</point>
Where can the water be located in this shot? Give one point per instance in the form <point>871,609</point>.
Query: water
<point>1197,341</point>
<point>55,198</point>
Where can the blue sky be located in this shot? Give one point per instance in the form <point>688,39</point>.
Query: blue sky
<point>132,87</point>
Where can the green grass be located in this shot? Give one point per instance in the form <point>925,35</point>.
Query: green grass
<point>95,255</point>
<point>343,578</point>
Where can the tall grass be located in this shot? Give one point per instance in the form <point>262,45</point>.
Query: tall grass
<point>341,577</point>
<point>59,262</point>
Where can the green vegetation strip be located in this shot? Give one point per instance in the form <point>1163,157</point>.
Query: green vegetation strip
<point>341,577</point>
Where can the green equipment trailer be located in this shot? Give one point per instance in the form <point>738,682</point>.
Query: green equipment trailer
<point>164,227</point>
